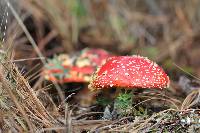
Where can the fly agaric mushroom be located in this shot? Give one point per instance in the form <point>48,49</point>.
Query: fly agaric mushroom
<point>129,72</point>
<point>75,68</point>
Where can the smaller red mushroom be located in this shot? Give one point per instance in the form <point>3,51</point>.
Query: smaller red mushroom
<point>76,68</point>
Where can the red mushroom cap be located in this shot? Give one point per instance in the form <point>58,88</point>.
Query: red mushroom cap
<point>91,57</point>
<point>75,68</point>
<point>129,72</point>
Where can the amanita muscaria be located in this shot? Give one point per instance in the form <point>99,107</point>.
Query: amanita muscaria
<point>75,68</point>
<point>129,72</point>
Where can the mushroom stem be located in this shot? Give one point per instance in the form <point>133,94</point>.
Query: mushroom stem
<point>86,97</point>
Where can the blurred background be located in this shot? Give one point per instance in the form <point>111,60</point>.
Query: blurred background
<point>165,31</point>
